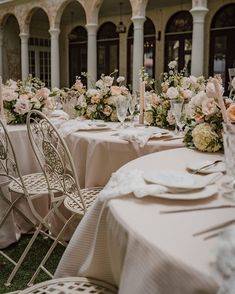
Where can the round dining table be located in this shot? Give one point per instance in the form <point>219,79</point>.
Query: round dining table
<point>134,244</point>
<point>99,153</point>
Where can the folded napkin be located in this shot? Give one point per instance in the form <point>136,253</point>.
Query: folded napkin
<point>136,136</point>
<point>72,126</point>
<point>59,113</point>
<point>126,182</point>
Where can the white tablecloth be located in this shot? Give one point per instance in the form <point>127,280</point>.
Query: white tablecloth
<point>126,241</point>
<point>97,154</point>
<point>11,230</point>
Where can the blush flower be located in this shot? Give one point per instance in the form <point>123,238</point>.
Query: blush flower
<point>209,107</point>
<point>172,93</point>
<point>115,91</point>
<point>22,106</point>
<point>231,112</point>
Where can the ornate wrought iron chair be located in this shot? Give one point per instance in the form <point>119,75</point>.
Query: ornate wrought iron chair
<point>71,285</point>
<point>26,188</point>
<point>58,167</point>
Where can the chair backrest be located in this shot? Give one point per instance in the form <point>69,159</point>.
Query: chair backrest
<point>9,168</point>
<point>54,157</point>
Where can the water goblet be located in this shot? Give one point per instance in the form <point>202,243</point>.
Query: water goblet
<point>229,153</point>
<point>122,103</point>
<point>132,106</point>
<point>177,111</point>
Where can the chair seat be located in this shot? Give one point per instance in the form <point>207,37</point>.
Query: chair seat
<point>34,183</point>
<point>89,196</point>
<point>71,285</point>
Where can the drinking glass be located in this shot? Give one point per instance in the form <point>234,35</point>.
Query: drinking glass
<point>132,105</point>
<point>177,111</point>
<point>229,153</point>
<point>122,103</point>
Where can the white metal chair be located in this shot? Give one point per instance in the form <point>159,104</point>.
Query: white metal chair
<point>26,188</point>
<point>58,167</point>
<point>71,286</point>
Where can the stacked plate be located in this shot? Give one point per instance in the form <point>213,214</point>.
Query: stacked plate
<point>183,186</point>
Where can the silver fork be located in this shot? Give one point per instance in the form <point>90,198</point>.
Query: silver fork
<point>207,165</point>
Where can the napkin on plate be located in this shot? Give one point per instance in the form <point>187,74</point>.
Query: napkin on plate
<point>60,114</point>
<point>126,182</point>
<point>136,136</point>
<point>72,126</point>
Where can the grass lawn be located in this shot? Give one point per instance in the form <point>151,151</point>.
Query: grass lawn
<point>30,264</point>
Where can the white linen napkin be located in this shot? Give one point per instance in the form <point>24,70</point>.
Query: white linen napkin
<point>136,136</point>
<point>60,114</point>
<point>126,182</point>
<point>72,126</point>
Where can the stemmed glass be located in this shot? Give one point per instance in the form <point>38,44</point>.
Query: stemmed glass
<point>132,105</point>
<point>177,111</point>
<point>122,104</point>
<point>229,153</point>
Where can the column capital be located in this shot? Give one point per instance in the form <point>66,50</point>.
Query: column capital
<point>24,36</point>
<point>199,14</point>
<point>91,28</point>
<point>54,32</point>
<point>138,21</point>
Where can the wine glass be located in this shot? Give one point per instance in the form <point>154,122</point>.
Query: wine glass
<point>122,104</point>
<point>132,105</point>
<point>229,153</point>
<point>177,111</point>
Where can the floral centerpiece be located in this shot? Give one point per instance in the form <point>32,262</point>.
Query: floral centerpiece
<point>204,124</point>
<point>174,85</point>
<point>99,102</point>
<point>19,97</point>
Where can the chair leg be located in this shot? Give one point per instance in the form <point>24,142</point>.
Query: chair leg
<point>16,209</point>
<point>41,266</point>
<point>20,261</point>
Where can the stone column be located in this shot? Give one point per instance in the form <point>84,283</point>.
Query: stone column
<point>1,52</point>
<point>138,49</point>
<point>198,11</point>
<point>92,53</point>
<point>55,58</point>
<point>24,37</point>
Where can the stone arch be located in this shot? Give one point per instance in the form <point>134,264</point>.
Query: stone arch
<point>11,47</point>
<point>32,11</point>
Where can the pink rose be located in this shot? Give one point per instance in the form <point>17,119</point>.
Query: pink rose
<point>22,106</point>
<point>156,99</point>
<point>43,93</point>
<point>78,85</point>
<point>107,110</point>
<point>209,106</point>
<point>116,91</point>
<point>108,81</point>
<point>231,112</point>
<point>95,99</point>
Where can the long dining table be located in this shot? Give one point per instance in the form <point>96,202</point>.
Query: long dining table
<point>128,241</point>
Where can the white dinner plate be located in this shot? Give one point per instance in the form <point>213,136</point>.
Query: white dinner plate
<point>178,181</point>
<point>95,127</point>
<point>195,165</point>
<point>207,192</point>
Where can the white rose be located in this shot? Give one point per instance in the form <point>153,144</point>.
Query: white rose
<point>9,94</point>
<point>172,93</point>
<point>172,64</point>
<point>198,99</point>
<point>22,106</point>
<point>187,94</point>
<point>99,84</point>
<point>108,81</point>
<point>120,79</point>
<point>211,91</point>
<point>186,82</point>
<point>91,92</point>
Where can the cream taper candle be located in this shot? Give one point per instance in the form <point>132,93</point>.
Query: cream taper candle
<point>220,100</point>
<point>142,101</point>
<point>1,99</point>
